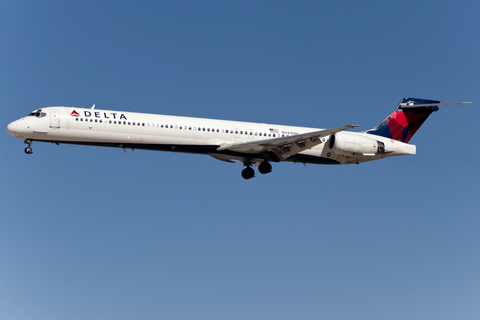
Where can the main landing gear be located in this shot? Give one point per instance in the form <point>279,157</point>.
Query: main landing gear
<point>263,168</point>
<point>28,150</point>
<point>248,173</point>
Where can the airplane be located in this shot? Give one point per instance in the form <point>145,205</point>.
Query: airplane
<point>252,144</point>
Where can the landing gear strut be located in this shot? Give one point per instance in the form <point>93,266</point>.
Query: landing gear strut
<point>28,150</point>
<point>248,173</point>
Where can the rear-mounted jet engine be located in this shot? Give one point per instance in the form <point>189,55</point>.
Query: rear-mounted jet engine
<point>355,145</point>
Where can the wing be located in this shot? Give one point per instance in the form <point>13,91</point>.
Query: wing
<point>284,147</point>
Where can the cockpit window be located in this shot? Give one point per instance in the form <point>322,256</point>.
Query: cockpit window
<point>37,113</point>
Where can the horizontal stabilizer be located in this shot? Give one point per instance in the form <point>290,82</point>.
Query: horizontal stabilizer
<point>411,106</point>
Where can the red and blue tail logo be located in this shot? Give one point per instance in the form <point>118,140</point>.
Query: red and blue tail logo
<point>402,124</point>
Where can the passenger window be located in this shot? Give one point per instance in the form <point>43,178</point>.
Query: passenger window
<point>76,119</point>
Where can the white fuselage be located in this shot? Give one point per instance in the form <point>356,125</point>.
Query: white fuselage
<point>179,134</point>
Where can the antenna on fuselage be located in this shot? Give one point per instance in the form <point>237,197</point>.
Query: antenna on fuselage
<point>93,107</point>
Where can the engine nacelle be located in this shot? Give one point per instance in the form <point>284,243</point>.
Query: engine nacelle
<point>355,145</point>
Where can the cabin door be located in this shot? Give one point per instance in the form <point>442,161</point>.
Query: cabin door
<point>54,118</point>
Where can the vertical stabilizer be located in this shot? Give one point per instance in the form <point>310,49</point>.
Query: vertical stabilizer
<point>402,124</point>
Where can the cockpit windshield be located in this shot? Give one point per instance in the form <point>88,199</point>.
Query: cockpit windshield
<point>37,113</point>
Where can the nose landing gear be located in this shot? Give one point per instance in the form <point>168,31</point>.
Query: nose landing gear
<point>28,150</point>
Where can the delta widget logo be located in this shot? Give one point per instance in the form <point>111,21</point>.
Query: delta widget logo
<point>74,114</point>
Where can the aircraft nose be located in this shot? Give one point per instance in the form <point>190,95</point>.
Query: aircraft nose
<point>12,128</point>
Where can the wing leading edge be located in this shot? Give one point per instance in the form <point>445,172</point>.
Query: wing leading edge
<point>284,147</point>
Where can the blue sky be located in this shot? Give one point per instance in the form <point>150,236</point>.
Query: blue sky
<point>97,233</point>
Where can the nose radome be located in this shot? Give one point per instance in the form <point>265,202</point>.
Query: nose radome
<point>12,128</point>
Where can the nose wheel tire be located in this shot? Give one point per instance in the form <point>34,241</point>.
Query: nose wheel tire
<point>28,150</point>
<point>248,173</point>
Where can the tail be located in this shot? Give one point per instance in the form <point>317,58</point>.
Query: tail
<point>402,124</point>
